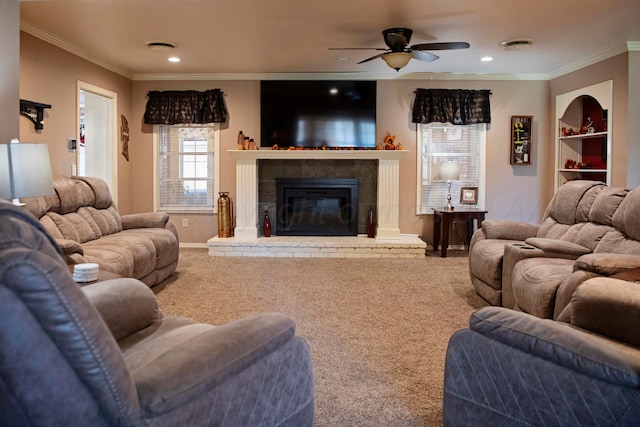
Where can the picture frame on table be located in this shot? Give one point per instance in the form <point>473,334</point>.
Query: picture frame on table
<point>521,146</point>
<point>469,195</point>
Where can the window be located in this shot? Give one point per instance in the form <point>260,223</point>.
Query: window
<point>186,166</point>
<point>443,142</point>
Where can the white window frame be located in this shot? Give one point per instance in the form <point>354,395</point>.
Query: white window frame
<point>427,156</point>
<point>215,127</point>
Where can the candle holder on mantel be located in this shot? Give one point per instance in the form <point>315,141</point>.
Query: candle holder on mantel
<point>449,171</point>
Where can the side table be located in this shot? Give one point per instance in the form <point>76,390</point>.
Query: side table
<point>442,220</point>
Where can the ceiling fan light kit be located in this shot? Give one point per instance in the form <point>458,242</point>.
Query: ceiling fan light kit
<point>397,60</point>
<point>398,55</point>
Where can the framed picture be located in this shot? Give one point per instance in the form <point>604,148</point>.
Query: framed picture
<point>521,140</point>
<point>469,195</point>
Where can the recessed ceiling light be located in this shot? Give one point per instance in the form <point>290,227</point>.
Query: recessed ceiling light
<point>343,59</point>
<point>486,59</point>
<point>516,43</point>
<point>174,59</point>
<point>158,46</point>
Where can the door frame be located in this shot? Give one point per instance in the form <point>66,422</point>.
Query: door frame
<point>113,106</point>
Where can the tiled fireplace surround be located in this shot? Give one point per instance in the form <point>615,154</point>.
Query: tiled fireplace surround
<point>256,171</point>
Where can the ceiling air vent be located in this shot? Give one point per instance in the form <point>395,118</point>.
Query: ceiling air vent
<point>516,43</point>
<point>161,46</point>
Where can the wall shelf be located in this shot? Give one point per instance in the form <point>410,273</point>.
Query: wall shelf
<point>33,111</point>
<point>588,111</point>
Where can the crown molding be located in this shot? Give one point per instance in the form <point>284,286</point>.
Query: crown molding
<point>71,48</point>
<point>335,76</point>
<point>633,46</point>
<point>593,59</point>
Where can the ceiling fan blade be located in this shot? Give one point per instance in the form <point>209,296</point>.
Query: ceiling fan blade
<point>372,58</point>
<point>440,46</point>
<point>424,56</point>
<point>357,48</point>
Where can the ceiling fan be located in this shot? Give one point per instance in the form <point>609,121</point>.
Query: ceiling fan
<point>397,55</point>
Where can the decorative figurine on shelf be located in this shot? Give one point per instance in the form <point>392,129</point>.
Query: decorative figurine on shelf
<point>590,128</point>
<point>389,141</point>
<point>569,164</point>
<point>572,164</point>
<point>266,224</point>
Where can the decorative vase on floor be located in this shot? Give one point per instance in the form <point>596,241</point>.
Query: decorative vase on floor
<point>225,215</point>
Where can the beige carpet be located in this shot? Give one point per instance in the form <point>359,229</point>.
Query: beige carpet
<point>378,329</point>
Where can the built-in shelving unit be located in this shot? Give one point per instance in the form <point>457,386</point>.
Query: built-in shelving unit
<point>583,134</point>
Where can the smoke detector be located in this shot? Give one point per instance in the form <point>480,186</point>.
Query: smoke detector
<point>158,46</point>
<point>516,43</point>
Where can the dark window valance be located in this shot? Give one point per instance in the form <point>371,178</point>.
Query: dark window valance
<point>455,106</point>
<point>188,106</point>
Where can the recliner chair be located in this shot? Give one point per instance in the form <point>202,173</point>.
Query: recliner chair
<point>104,354</point>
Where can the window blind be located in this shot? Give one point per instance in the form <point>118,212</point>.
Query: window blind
<point>185,166</point>
<point>442,142</point>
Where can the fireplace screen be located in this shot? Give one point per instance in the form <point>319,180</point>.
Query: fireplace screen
<point>317,207</point>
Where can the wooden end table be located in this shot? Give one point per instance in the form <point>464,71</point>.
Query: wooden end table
<point>442,220</point>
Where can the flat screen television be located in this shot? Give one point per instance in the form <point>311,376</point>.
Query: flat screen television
<point>316,114</point>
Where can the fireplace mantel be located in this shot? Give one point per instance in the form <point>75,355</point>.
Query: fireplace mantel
<point>247,184</point>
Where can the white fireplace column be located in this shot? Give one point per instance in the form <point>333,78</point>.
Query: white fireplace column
<point>388,199</point>
<point>246,198</point>
<point>246,203</point>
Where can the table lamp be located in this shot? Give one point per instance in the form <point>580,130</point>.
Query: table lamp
<point>25,171</point>
<point>449,171</point>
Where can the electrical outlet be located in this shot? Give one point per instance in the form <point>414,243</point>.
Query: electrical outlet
<point>185,222</point>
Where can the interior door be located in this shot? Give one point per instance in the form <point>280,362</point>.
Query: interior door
<point>96,153</point>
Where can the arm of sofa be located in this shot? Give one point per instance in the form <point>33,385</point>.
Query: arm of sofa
<point>145,220</point>
<point>609,307</point>
<point>607,264</point>
<point>560,343</point>
<point>200,359</point>
<point>511,368</point>
<point>126,305</point>
<point>508,230</point>
<point>556,248</point>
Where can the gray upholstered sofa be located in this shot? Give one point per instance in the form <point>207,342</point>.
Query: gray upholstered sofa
<point>514,369</point>
<point>588,230</point>
<point>87,226</point>
<point>105,355</point>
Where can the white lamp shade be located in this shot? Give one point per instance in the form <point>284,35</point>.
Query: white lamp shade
<point>25,171</point>
<point>449,171</point>
<point>397,60</point>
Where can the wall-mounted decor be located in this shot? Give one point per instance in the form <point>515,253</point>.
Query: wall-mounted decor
<point>469,195</point>
<point>521,140</point>
<point>124,136</point>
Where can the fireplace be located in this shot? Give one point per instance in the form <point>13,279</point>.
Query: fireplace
<point>248,217</point>
<point>316,207</point>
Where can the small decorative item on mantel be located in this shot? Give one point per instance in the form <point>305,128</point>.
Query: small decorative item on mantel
<point>389,143</point>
